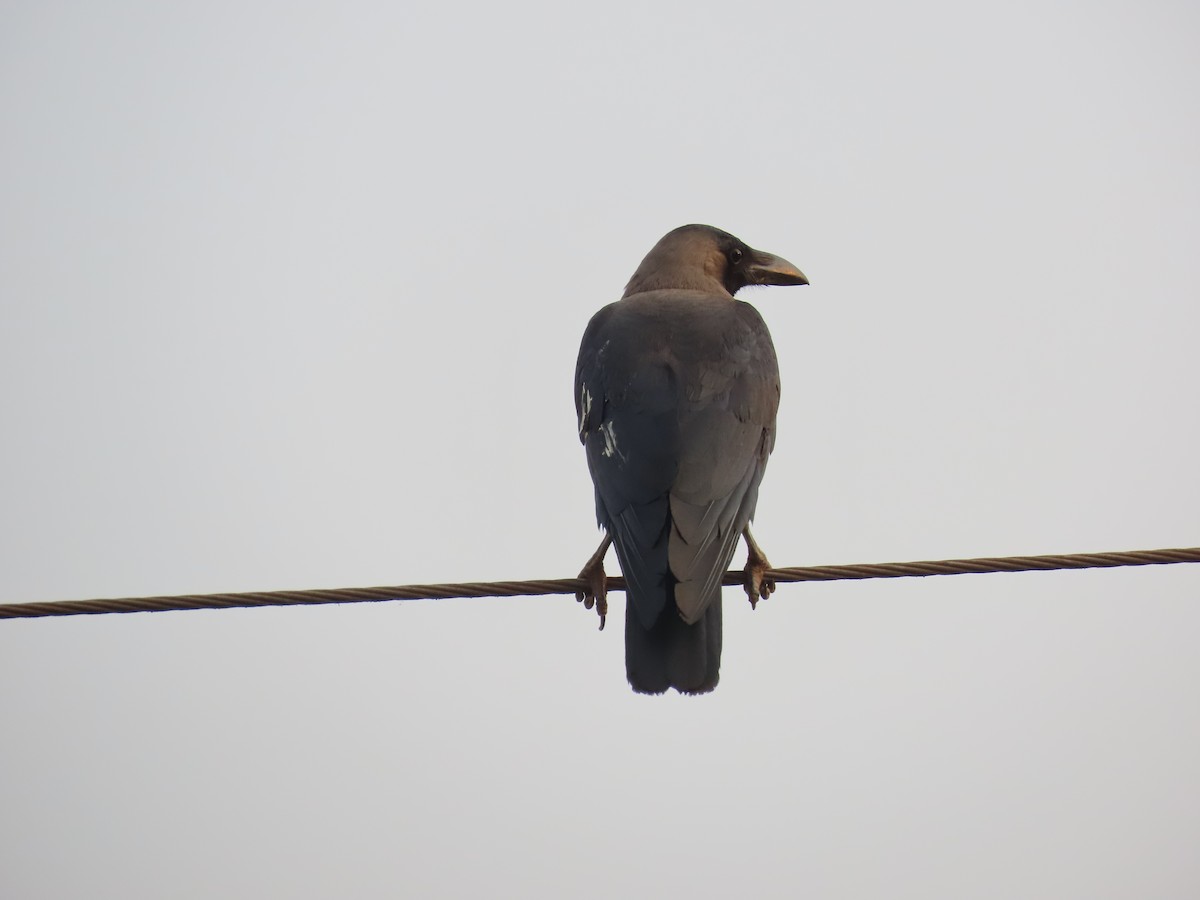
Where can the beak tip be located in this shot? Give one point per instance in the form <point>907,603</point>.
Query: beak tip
<point>775,270</point>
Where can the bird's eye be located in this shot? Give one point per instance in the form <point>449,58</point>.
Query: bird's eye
<point>735,255</point>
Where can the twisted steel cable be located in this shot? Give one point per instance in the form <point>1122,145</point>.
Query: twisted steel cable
<point>571,585</point>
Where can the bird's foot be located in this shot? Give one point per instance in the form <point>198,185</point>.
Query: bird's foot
<point>595,588</point>
<point>757,586</point>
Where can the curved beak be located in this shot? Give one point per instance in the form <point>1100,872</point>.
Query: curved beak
<point>766,268</point>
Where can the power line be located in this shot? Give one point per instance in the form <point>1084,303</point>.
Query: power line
<point>571,585</point>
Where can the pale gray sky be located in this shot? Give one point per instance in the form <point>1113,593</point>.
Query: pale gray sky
<point>292,296</point>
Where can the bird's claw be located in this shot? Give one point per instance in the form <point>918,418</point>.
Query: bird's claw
<point>595,589</point>
<point>758,587</point>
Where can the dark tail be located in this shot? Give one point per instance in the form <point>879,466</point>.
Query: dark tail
<point>672,653</point>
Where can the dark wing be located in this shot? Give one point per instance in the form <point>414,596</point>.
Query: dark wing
<point>727,433</point>
<point>627,400</point>
<point>676,393</point>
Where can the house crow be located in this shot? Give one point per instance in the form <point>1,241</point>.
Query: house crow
<point>676,388</point>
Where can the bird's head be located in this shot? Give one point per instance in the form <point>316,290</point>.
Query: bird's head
<point>700,257</point>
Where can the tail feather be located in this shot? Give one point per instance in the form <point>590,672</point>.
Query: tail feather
<point>672,653</point>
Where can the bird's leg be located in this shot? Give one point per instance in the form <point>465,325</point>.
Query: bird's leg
<point>756,566</point>
<point>595,591</point>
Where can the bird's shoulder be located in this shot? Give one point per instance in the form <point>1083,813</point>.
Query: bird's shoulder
<point>691,326</point>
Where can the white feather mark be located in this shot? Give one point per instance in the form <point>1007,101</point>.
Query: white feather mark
<point>585,407</point>
<point>610,441</point>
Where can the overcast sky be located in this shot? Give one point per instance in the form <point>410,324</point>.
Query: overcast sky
<point>292,297</point>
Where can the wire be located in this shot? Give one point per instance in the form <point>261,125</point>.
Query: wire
<point>571,585</point>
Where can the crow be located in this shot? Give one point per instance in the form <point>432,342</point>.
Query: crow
<point>676,391</point>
